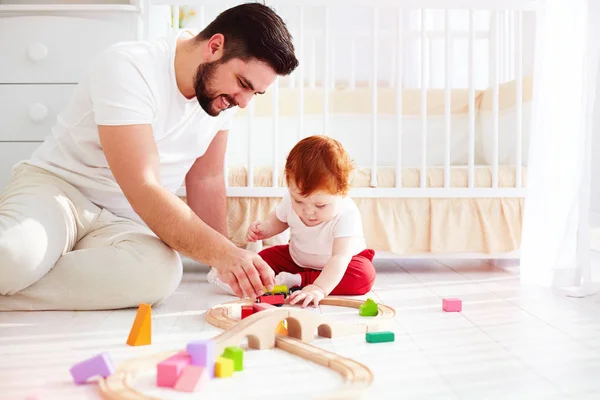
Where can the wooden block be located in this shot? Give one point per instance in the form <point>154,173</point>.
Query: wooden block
<point>193,379</point>
<point>247,311</point>
<point>368,308</point>
<point>169,370</point>
<point>261,306</point>
<point>380,337</point>
<point>452,305</point>
<point>237,355</point>
<point>203,353</point>
<point>141,331</point>
<point>223,367</point>
<point>101,365</point>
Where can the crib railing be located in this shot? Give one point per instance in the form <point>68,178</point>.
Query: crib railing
<point>505,37</point>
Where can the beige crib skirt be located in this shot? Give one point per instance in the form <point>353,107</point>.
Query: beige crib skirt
<point>411,225</point>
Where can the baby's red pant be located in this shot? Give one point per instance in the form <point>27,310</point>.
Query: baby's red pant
<point>357,280</point>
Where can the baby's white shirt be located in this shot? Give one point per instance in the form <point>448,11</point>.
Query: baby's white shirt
<point>311,246</point>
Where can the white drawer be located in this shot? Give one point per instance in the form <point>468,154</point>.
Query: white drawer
<point>28,112</point>
<point>10,154</point>
<point>55,49</point>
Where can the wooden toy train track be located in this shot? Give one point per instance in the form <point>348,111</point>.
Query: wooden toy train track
<point>357,377</point>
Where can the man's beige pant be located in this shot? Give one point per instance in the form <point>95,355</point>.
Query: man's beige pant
<point>59,251</point>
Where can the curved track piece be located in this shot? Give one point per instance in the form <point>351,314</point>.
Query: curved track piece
<point>357,376</point>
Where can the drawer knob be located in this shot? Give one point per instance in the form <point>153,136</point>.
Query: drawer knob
<point>38,112</point>
<point>38,51</point>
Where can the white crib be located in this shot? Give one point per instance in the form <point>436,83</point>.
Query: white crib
<point>432,99</point>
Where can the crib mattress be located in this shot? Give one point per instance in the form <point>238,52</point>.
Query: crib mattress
<point>412,225</point>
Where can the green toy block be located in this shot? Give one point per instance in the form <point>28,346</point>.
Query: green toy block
<point>236,354</point>
<point>368,308</point>
<point>380,337</point>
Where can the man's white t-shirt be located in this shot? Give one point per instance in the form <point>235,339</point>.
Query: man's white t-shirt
<point>311,246</point>
<point>129,83</point>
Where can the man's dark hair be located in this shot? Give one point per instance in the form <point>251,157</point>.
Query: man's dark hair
<point>254,30</point>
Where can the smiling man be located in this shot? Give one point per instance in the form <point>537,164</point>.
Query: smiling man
<point>91,220</point>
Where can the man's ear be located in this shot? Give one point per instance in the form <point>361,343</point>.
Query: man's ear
<point>214,47</point>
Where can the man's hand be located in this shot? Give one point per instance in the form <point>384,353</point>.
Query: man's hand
<point>245,272</point>
<point>310,294</point>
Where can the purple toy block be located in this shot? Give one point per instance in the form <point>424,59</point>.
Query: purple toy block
<point>99,365</point>
<point>169,370</point>
<point>452,305</point>
<point>203,353</point>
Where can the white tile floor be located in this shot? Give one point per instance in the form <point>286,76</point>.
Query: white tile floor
<point>509,342</point>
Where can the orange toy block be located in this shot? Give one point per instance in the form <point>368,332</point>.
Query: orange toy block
<point>141,331</point>
<point>282,328</point>
<point>193,379</point>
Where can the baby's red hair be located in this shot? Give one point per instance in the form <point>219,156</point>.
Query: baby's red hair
<point>319,163</point>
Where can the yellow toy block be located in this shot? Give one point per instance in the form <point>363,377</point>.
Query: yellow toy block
<point>280,289</point>
<point>141,331</point>
<point>223,367</point>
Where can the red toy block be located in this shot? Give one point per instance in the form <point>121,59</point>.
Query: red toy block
<point>261,306</point>
<point>169,370</point>
<point>275,299</point>
<point>452,305</point>
<point>193,378</point>
<point>247,311</point>
<point>99,365</point>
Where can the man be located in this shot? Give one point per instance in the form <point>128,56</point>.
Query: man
<point>91,220</point>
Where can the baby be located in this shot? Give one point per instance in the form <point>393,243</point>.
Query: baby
<point>327,252</point>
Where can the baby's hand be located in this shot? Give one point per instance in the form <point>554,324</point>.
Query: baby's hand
<point>254,232</point>
<point>310,294</point>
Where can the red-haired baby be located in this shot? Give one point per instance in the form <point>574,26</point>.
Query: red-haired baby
<point>327,252</point>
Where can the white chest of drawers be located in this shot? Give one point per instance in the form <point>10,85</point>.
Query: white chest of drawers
<point>44,51</point>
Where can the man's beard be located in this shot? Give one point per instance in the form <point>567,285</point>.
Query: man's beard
<point>204,78</point>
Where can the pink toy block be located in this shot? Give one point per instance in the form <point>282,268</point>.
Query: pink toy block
<point>261,306</point>
<point>452,305</point>
<point>169,370</point>
<point>99,365</point>
<point>193,379</point>
<point>203,353</point>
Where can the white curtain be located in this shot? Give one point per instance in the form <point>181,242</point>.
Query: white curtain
<point>555,240</point>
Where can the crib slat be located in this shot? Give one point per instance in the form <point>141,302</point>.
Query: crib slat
<point>175,9</point>
<point>511,45</point>
<point>519,79</point>
<point>495,94</point>
<point>250,142</point>
<point>275,132</point>
<point>327,39</point>
<point>313,62</point>
<point>332,64</point>
<point>471,99</point>
<point>448,99</point>
<point>301,75</point>
<point>201,16</point>
<point>374,93</point>
<point>423,100</point>
<point>226,169</point>
<point>353,62</point>
<point>399,88</point>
